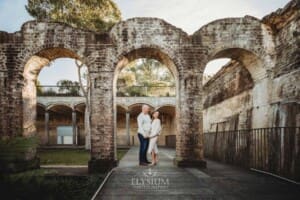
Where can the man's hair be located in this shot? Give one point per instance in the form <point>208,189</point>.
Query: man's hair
<point>145,105</point>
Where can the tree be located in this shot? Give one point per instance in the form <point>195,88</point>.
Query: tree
<point>94,15</point>
<point>69,87</point>
<point>86,93</point>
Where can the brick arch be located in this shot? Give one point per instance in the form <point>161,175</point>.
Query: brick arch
<point>59,104</point>
<point>136,33</point>
<point>245,39</point>
<point>31,63</point>
<point>140,104</point>
<point>165,105</point>
<point>123,107</point>
<point>252,62</point>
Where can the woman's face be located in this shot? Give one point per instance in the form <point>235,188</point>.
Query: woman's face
<point>155,114</point>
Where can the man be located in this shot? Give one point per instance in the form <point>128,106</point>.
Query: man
<point>144,128</point>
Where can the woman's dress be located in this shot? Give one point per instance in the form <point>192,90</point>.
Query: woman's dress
<point>155,131</point>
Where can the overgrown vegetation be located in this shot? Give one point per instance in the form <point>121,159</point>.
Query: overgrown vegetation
<point>43,184</point>
<point>47,185</point>
<point>146,77</point>
<point>94,15</point>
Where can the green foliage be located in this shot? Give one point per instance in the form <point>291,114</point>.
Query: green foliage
<point>64,156</point>
<point>15,149</point>
<point>147,72</point>
<point>145,77</point>
<point>94,15</point>
<point>38,184</point>
<point>121,153</point>
<point>69,87</point>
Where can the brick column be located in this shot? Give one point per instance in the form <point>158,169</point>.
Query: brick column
<point>189,144</point>
<point>102,123</point>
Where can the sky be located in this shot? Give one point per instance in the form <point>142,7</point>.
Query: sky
<point>189,15</point>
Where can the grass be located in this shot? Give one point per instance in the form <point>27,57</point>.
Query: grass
<point>64,157</point>
<point>69,156</point>
<point>46,184</point>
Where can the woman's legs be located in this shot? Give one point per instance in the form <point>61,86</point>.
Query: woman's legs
<point>153,157</point>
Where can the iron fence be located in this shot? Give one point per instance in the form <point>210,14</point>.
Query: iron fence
<point>146,91</point>
<point>274,150</point>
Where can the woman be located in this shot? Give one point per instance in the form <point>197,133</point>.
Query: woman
<point>155,132</point>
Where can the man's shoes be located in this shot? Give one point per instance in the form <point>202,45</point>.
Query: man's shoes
<point>148,162</point>
<point>143,164</point>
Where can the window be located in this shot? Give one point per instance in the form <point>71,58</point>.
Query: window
<point>64,135</point>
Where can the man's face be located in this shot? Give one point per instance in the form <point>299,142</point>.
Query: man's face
<point>146,109</point>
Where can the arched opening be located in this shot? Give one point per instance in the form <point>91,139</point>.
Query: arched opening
<point>227,98</point>
<point>228,93</point>
<point>53,77</point>
<point>32,87</point>
<point>233,100</point>
<point>168,118</point>
<point>143,76</point>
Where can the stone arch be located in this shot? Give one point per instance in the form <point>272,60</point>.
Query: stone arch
<point>131,107</point>
<point>244,39</point>
<point>165,105</point>
<point>153,52</point>
<point>125,108</point>
<point>41,105</point>
<point>52,105</point>
<point>253,63</point>
<point>33,64</point>
<point>79,104</point>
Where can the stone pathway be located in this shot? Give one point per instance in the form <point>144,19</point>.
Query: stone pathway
<point>165,181</point>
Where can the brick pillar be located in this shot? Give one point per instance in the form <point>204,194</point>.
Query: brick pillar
<point>102,123</point>
<point>11,118</point>
<point>189,142</point>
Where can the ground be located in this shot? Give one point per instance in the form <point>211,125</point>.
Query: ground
<point>165,181</point>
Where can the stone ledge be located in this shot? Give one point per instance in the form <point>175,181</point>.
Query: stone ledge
<point>101,165</point>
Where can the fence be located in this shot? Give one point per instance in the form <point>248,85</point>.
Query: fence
<point>273,150</point>
<point>146,91</point>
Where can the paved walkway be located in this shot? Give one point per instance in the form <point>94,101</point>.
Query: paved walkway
<point>165,181</point>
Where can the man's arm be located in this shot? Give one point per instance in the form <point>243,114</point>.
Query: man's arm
<point>140,123</point>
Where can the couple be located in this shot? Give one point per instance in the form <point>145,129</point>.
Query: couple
<point>148,131</point>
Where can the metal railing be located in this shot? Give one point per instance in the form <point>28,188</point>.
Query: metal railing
<point>132,91</point>
<point>273,150</point>
<point>146,91</point>
<point>50,90</point>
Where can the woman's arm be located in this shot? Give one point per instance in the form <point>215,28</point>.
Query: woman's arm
<point>156,128</point>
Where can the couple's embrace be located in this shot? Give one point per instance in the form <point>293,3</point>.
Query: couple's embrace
<point>148,132</point>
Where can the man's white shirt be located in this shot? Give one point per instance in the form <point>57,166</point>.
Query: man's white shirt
<point>144,124</point>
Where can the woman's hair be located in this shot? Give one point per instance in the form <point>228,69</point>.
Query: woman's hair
<point>154,113</point>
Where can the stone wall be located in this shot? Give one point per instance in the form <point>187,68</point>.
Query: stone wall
<point>268,48</point>
<point>228,99</point>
